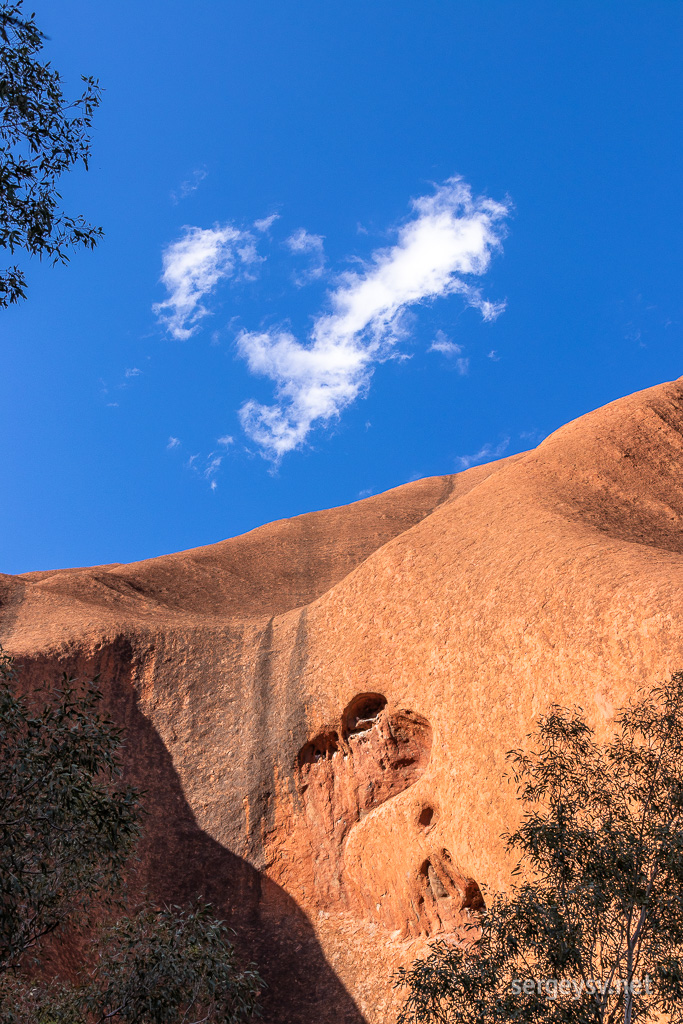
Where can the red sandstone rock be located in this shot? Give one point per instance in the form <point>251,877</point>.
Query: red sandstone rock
<point>320,709</point>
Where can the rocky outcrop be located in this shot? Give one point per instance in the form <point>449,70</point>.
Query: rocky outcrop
<point>320,710</point>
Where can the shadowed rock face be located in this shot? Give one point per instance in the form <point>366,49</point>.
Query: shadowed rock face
<point>320,709</point>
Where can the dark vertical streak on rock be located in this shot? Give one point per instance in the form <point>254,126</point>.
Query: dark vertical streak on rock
<point>262,751</point>
<point>294,732</point>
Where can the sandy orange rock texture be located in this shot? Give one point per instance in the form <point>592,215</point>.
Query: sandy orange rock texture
<point>319,710</point>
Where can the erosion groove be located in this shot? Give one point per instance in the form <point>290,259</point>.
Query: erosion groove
<point>381,752</point>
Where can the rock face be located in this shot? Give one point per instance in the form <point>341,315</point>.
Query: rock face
<point>319,710</point>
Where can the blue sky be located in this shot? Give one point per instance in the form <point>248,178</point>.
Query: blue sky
<point>346,246</point>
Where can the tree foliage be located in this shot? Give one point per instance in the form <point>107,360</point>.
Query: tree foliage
<point>172,965</point>
<point>162,966</point>
<point>67,823</point>
<point>592,930</point>
<point>42,135</point>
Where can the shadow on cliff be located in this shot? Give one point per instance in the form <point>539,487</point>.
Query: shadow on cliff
<point>178,861</point>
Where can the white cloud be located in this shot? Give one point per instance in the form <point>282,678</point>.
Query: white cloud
<point>205,466</point>
<point>266,222</point>
<point>487,453</point>
<point>226,440</point>
<point>193,266</point>
<point>302,242</point>
<point>443,344</point>
<point>133,372</point>
<point>451,236</point>
<point>173,442</point>
<point>212,465</point>
<point>186,188</point>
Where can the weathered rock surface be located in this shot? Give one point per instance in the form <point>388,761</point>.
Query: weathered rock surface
<point>320,709</point>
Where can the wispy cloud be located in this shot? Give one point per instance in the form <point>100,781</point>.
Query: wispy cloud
<point>302,242</point>
<point>450,238</point>
<point>266,222</point>
<point>193,266</point>
<point>205,466</point>
<point>211,467</point>
<point>190,185</point>
<point>443,344</point>
<point>487,453</point>
<point>213,463</point>
<point>125,382</point>
<point>173,442</point>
